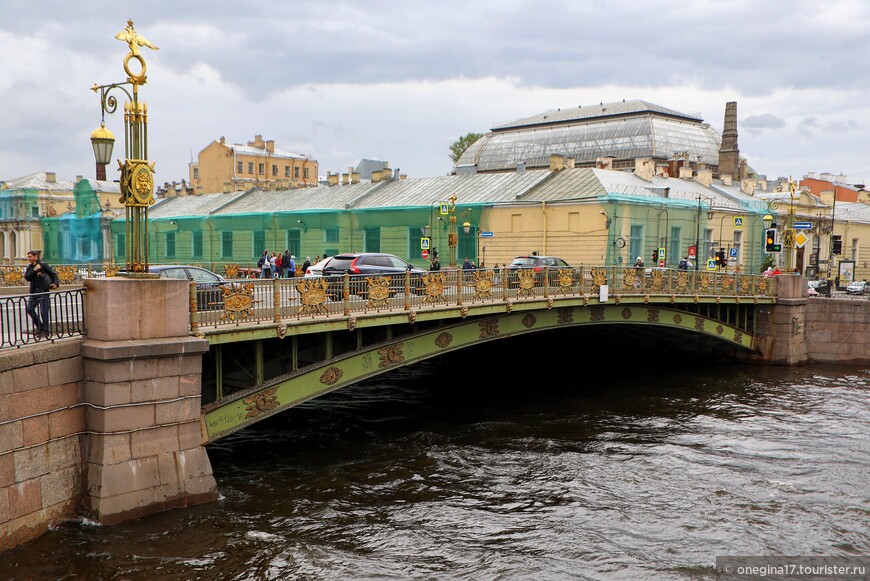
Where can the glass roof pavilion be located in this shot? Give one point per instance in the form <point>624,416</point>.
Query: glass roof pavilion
<point>624,130</point>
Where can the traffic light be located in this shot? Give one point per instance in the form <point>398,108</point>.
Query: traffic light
<point>720,259</point>
<point>655,255</point>
<point>770,240</point>
<point>837,245</point>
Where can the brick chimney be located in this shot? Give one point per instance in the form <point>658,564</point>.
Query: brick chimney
<point>51,177</point>
<point>270,146</point>
<point>605,162</point>
<point>332,179</point>
<point>729,154</point>
<point>354,177</point>
<point>704,177</point>
<point>557,162</point>
<point>644,168</point>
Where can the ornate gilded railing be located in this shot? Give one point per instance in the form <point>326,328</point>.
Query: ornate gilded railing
<point>285,300</point>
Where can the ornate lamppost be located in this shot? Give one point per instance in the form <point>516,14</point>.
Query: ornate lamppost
<point>137,174</point>
<point>788,231</point>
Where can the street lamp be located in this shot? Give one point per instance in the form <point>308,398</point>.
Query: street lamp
<point>698,230</point>
<point>137,174</point>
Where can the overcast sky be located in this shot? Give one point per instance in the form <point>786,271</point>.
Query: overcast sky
<point>342,81</point>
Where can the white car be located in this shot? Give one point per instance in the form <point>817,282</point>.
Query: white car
<point>317,269</point>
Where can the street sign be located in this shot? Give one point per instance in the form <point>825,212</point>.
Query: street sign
<point>732,252</point>
<point>486,234</point>
<point>803,225</point>
<point>443,208</point>
<point>661,263</point>
<point>424,244</point>
<point>738,221</point>
<point>711,264</point>
<point>425,254</point>
<point>692,252</point>
<point>662,256</point>
<point>800,239</point>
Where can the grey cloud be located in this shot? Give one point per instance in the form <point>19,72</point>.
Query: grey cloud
<point>763,121</point>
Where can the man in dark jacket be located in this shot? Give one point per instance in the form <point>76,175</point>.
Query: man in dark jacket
<point>42,278</point>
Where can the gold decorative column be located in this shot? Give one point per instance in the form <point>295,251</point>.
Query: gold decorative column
<point>137,173</point>
<point>788,230</point>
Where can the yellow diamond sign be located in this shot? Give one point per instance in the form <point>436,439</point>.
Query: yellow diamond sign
<point>800,239</point>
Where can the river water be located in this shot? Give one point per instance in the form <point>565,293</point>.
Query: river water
<point>511,464</point>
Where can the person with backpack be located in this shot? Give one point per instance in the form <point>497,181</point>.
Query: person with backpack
<point>291,269</point>
<point>42,279</point>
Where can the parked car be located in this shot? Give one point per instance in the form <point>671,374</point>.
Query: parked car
<point>209,294</point>
<point>360,265</point>
<point>317,269</point>
<point>536,263</point>
<point>858,287</point>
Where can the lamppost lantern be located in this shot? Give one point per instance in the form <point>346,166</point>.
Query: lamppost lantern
<point>137,173</point>
<point>768,220</point>
<point>466,227</point>
<point>103,141</point>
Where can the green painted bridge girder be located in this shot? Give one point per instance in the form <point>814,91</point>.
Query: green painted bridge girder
<point>247,407</point>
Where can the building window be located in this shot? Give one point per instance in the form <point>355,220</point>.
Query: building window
<point>331,235</point>
<point>261,169</point>
<point>635,247</point>
<point>286,171</point>
<point>197,244</point>
<point>250,167</point>
<point>121,246</point>
<point>170,245</point>
<point>296,172</point>
<point>674,244</point>
<point>195,172</point>
<point>226,244</point>
<point>240,167</point>
<point>708,244</point>
<point>294,243</point>
<point>306,173</point>
<point>34,211</point>
<point>259,243</point>
<point>372,239</point>
<point>274,170</point>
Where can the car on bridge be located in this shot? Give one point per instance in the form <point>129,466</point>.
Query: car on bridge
<point>858,287</point>
<point>316,269</point>
<point>536,263</point>
<point>362,266</point>
<point>209,294</point>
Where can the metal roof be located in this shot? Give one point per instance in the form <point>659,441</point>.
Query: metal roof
<point>597,112</point>
<point>37,181</point>
<point>248,150</point>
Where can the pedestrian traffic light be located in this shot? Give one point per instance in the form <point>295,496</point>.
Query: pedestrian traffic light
<point>770,239</point>
<point>655,255</point>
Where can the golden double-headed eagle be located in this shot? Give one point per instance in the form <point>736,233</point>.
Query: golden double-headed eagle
<point>133,39</point>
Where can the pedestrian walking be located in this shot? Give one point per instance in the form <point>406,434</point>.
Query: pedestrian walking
<point>42,279</point>
<point>291,272</point>
<point>305,265</point>
<point>265,265</point>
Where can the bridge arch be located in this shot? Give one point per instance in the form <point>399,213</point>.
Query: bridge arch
<point>250,406</point>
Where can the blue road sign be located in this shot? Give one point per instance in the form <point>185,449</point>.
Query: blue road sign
<point>732,252</point>
<point>803,225</point>
<point>486,234</point>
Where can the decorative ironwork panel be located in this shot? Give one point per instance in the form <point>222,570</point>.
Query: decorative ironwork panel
<point>433,285</point>
<point>483,284</point>
<point>657,281</point>
<point>378,291</point>
<point>331,375</point>
<point>66,274</point>
<point>488,328</point>
<point>599,279</point>
<point>238,301</point>
<point>312,293</point>
<point>565,279</point>
<point>231,270</point>
<point>391,355</point>
<point>630,278</point>
<point>12,275</point>
<point>262,402</point>
<point>526,283</point>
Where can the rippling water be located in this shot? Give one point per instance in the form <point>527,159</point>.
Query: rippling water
<point>533,468</point>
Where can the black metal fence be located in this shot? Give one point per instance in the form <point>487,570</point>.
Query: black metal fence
<point>66,318</point>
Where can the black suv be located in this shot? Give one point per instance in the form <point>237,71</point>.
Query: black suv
<point>362,265</point>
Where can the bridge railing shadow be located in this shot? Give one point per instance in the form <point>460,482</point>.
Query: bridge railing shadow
<point>295,300</point>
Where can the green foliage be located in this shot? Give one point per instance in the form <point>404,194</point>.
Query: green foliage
<point>768,261</point>
<point>458,147</point>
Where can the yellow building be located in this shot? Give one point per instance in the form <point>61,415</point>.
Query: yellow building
<point>222,167</point>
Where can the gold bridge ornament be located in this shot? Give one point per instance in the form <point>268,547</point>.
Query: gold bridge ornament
<point>238,301</point>
<point>313,295</point>
<point>134,40</point>
<point>138,178</point>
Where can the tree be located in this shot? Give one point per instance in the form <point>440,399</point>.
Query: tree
<point>458,147</point>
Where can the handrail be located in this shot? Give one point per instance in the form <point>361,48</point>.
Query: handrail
<point>284,301</point>
<point>66,316</point>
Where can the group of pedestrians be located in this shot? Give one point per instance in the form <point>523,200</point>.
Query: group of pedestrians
<point>283,265</point>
